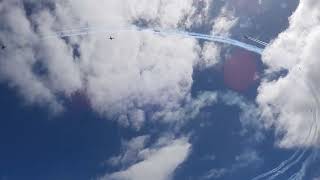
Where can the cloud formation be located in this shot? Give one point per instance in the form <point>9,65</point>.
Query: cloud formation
<point>158,162</point>
<point>224,22</point>
<point>289,103</point>
<point>123,79</point>
<point>248,158</point>
<point>131,150</point>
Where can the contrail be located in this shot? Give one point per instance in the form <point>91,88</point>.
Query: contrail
<point>102,30</point>
<point>287,164</point>
<point>280,166</point>
<point>313,138</point>
<point>301,173</point>
<point>257,40</point>
<point>285,169</point>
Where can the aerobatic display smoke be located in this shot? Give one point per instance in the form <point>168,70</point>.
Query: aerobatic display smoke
<point>300,156</point>
<point>103,30</point>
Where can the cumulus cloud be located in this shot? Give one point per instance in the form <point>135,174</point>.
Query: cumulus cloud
<point>200,13</point>
<point>222,25</point>
<point>249,117</point>
<point>215,173</point>
<point>247,158</point>
<point>159,162</point>
<point>123,78</point>
<point>190,109</point>
<point>16,65</point>
<point>224,22</point>
<point>210,55</point>
<point>130,152</point>
<point>289,103</point>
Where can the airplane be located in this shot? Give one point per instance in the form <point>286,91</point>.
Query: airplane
<point>111,38</point>
<point>3,47</point>
<point>255,40</point>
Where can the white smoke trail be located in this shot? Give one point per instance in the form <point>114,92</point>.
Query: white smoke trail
<point>312,140</point>
<point>299,154</point>
<point>301,173</point>
<point>281,165</point>
<point>258,41</point>
<point>102,30</point>
<point>285,165</point>
<point>286,168</point>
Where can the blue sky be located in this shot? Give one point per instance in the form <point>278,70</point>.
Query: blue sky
<point>157,106</point>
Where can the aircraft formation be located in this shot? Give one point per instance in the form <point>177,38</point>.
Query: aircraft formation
<point>3,47</point>
<point>255,40</point>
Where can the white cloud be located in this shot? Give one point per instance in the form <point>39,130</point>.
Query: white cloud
<point>222,26</point>
<point>17,61</point>
<point>190,109</point>
<point>289,102</point>
<point>121,78</point>
<point>224,23</point>
<point>246,159</point>
<point>200,14</point>
<point>158,164</point>
<point>131,151</point>
<point>215,173</point>
<point>210,54</point>
<point>249,117</point>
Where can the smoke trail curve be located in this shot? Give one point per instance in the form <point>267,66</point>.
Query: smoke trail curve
<point>101,30</point>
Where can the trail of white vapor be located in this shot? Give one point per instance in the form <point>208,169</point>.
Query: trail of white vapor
<point>102,30</point>
<point>314,137</point>
<point>298,155</point>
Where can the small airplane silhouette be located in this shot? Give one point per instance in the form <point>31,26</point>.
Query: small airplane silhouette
<point>111,38</point>
<point>3,47</point>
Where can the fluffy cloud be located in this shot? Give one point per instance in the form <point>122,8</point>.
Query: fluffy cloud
<point>289,103</point>
<point>122,78</point>
<point>210,54</point>
<point>222,25</point>
<point>249,116</point>
<point>131,150</point>
<point>224,22</point>
<point>159,162</point>
<point>215,173</point>
<point>16,65</point>
<point>189,110</point>
<point>246,159</point>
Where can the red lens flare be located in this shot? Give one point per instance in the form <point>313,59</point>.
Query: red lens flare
<point>240,70</point>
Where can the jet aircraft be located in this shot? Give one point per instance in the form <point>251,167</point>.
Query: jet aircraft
<point>255,40</point>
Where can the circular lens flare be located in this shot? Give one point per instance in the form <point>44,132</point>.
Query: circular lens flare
<point>240,71</point>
